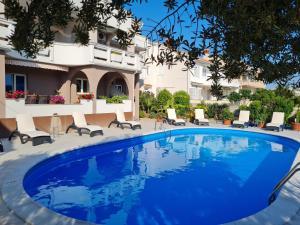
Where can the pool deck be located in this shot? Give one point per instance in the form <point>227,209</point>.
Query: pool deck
<point>16,207</point>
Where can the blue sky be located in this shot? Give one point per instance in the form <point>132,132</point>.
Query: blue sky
<point>151,10</point>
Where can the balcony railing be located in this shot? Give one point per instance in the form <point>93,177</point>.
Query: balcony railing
<point>252,84</point>
<point>72,54</point>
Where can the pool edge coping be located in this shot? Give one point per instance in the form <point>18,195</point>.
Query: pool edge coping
<point>17,200</point>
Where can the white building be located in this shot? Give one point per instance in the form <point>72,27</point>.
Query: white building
<point>195,81</point>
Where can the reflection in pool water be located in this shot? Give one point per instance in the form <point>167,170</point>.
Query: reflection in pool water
<point>200,177</point>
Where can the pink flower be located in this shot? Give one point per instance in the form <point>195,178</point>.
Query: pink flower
<point>57,99</point>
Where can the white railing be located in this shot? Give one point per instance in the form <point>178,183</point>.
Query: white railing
<point>6,29</point>
<point>72,54</point>
<point>14,107</point>
<point>103,107</point>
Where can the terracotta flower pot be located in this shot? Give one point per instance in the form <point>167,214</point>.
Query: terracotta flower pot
<point>227,122</point>
<point>296,126</point>
<point>261,124</point>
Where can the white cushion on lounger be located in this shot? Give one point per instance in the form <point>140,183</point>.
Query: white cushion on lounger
<point>273,124</point>
<point>36,133</point>
<point>79,121</point>
<point>26,126</point>
<point>238,122</point>
<point>243,117</point>
<point>171,114</point>
<point>25,123</point>
<point>199,115</point>
<point>277,118</point>
<point>93,127</point>
<point>179,121</point>
<point>133,123</point>
<point>121,118</point>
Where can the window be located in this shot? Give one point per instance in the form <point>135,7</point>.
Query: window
<point>119,88</point>
<point>197,71</point>
<point>204,71</point>
<point>82,85</point>
<point>195,93</point>
<point>15,82</point>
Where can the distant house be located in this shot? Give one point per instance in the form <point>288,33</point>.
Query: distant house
<point>195,81</point>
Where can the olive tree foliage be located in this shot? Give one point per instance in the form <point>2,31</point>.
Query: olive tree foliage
<point>257,38</point>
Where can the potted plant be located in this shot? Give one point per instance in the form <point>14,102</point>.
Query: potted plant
<point>57,99</point>
<point>88,96</point>
<point>227,116</point>
<point>296,124</point>
<point>160,117</point>
<point>261,120</point>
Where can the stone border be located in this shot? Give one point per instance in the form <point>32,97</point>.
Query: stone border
<point>16,199</point>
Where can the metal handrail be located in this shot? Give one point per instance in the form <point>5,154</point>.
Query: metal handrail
<point>282,182</point>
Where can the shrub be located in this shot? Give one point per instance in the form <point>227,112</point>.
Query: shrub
<point>102,97</point>
<point>244,107</point>
<point>116,99</point>
<point>284,92</point>
<point>258,112</point>
<point>227,115</point>
<point>283,104</point>
<point>215,110</point>
<point>152,115</point>
<point>181,100</point>
<point>203,106</point>
<point>298,117</point>
<point>245,94</point>
<point>142,114</point>
<point>146,101</point>
<point>57,99</point>
<point>234,97</point>
<point>265,96</point>
<point>297,101</point>
<point>163,101</point>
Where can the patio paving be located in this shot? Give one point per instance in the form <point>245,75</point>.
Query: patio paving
<point>17,154</point>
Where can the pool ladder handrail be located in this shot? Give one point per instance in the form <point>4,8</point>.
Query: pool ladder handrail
<point>282,182</point>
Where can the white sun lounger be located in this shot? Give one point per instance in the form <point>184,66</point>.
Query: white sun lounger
<point>26,131</point>
<point>277,122</point>
<point>121,121</point>
<point>243,120</point>
<point>80,124</point>
<point>172,118</point>
<point>199,118</point>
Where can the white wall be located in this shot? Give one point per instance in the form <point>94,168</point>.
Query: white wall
<point>103,107</point>
<point>1,10</point>
<point>14,107</point>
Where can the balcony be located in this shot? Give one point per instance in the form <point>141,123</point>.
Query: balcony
<point>72,54</point>
<point>251,84</point>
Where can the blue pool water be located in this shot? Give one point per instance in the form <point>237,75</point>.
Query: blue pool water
<point>188,176</point>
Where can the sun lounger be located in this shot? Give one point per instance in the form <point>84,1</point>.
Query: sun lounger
<point>277,122</point>
<point>243,120</point>
<point>26,131</point>
<point>199,118</point>
<point>121,121</point>
<point>80,124</point>
<point>172,118</point>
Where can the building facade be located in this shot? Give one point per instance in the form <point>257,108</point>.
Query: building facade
<point>70,70</point>
<point>195,81</point>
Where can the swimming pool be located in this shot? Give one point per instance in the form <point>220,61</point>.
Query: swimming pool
<point>186,176</point>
